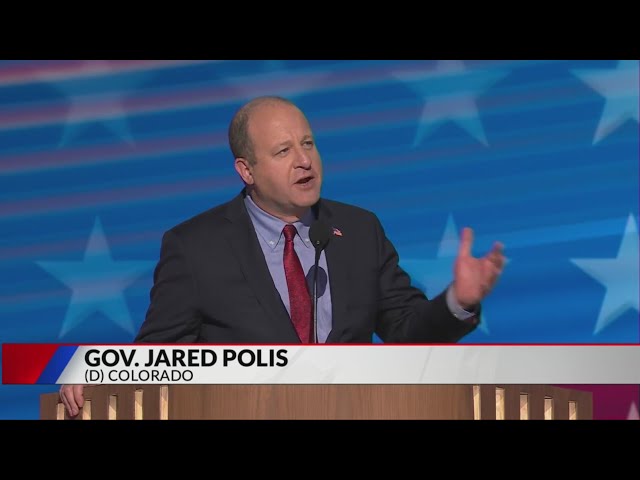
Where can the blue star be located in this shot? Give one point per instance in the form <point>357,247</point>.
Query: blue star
<point>619,275</point>
<point>436,274</point>
<point>450,92</point>
<point>619,86</point>
<point>95,100</point>
<point>97,283</point>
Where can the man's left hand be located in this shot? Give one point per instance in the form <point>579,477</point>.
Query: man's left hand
<point>473,278</point>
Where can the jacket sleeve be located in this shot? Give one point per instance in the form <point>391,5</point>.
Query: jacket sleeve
<point>405,314</point>
<point>173,315</point>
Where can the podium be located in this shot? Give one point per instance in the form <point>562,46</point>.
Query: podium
<point>325,402</point>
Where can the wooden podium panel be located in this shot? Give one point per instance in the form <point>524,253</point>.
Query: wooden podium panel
<point>531,402</point>
<point>324,402</point>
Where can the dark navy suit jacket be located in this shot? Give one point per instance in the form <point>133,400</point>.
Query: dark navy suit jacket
<point>212,285</point>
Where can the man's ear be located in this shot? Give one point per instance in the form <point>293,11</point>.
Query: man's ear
<point>243,167</point>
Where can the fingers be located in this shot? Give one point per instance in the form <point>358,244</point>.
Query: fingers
<point>72,398</point>
<point>466,240</point>
<point>493,265</point>
<point>492,270</point>
<point>496,257</point>
<point>68,400</point>
<point>78,395</point>
<point>65,402</point>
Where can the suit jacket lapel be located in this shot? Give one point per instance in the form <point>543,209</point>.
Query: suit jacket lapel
<point>337,256</point>
<point>244,243</point>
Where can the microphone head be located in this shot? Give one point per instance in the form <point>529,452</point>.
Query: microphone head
<point>319,234</point>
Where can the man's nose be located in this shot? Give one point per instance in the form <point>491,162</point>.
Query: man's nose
<point>303,159</point>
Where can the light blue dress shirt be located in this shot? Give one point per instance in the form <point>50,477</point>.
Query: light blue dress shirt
<point>271,239</point>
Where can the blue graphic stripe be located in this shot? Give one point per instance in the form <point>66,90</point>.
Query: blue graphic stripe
<point>56,365</point>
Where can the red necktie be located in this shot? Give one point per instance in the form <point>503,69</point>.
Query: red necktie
<point>299,298</point>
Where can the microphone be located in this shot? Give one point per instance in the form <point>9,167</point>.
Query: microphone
<point>319,234</point>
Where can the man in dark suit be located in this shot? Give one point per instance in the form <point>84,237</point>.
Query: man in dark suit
<point>240,272</point>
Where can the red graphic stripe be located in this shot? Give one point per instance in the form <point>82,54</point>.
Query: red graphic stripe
<point>24,363</point>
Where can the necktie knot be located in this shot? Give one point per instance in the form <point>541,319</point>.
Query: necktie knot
<point>289,232</point>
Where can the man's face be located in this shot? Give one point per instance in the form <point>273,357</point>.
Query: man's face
<point>286,176</point>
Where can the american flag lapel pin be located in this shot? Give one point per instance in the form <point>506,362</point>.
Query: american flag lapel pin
<point>337,232</point>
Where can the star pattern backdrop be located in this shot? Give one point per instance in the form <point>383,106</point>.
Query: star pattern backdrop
<point>99,158</point>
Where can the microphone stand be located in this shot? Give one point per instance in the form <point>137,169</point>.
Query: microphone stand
<point>319,233</point>
<point>315,296</point>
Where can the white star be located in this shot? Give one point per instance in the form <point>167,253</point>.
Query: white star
<point>450,93</point>
<point>633,412</point>
<point>97,283</point>
<point>436,274</point>
<point>619,276</point>
<point>619,86</point>
<point>97,100</point>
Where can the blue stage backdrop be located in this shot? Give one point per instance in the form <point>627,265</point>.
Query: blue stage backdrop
<point>99,158</point>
